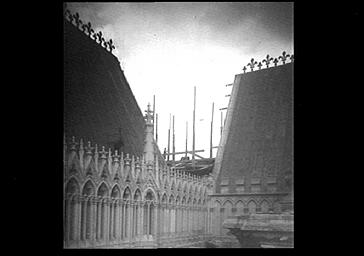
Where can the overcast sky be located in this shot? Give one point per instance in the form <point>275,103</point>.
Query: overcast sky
<point>165,49</point>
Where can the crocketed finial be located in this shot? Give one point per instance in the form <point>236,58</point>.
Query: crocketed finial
<point>88,29</point>
<point>99,37</point>
<point>148,115</point>
<point>260,65</point>
<point>77,20</point>
<point>252,64</point>
<point>110,44</point>
<point>267,60</point>
<point>275,61</point>
<point>284,57</point>
<point>291,58</point>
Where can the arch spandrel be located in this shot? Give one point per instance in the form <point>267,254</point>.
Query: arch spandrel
<point>103,190</point>
<point>264,206</point>
<point>164,198</point>
<point>147,191</point>
<point>89,188</point>
<point>72,186</point>
<point>127,193</point>
<point>115,192</point>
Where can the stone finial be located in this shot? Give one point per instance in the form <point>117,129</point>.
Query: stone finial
<point>99,37</point>
<point>110,45</point>
<point>267,60</point>
<point>73,144</point>
<point>116,156</point>
<point>291,58</point>
<point>260,65</point>
<point>284,57</point>
<point>252,64</point>
<point>96,150</point>
<point>81,144</point>
<point>67,13</point>
<point>88,29</point>
<point>244,69</point>
<point>69,16</point>
<point>77,20</point>
<point>127,160</point>
<point>149,114</point>
<point>103,152</point>
<point>88,148</point>
<point>275,61</point>
<point>137,162</point>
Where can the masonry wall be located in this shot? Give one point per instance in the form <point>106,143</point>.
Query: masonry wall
<point>98,103</point>
<point>259,147</point>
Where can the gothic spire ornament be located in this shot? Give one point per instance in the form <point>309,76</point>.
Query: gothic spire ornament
<point>267,60</point>
<point>252,64</point>
<point>284,57</point>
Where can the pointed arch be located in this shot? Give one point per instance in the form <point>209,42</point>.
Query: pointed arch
<point>103,190</point>
<point>171,199</point>
<point>149,194</point>
<point>137,197</point>
<point>74,166</point>
<point>239,207</point>
<point>264,206</point>
<point>164,198</point>
<point>115,192</point>
<point>150,197</point>
<point>127,193</point>
<point>137,194</point>
<point>252,206</point>
<point>88,188</point>
<point>72,187</point>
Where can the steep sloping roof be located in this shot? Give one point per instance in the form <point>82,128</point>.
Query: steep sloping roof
<point>257,137</point>
<point>98,102</point>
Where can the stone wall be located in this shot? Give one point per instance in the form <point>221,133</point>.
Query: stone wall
<point>259,148</point>
<point>98,102</point>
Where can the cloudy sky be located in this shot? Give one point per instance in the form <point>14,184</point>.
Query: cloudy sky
<point>165,49</point>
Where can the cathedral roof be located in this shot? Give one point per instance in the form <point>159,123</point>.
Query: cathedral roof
<point>257,136</point>
<point>99,104</point>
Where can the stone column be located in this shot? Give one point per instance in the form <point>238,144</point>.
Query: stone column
<point>93,221</point>
<point>67,220</point>
<point>111,221</point>
<point>98,217</point>
<point>107,220</point>
<point>176,220</point>
<point>123,216</point>
<point>118,220</point>
<point>149,220</point>
<point>130,210</point>
<point>78,221</point>
<point>140,219</point>
<point>182,218</point>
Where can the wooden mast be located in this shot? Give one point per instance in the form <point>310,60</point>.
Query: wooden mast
<point>153,114</point>
<point>186,138</point>
<point>156,129</point>
<point>174,141</point>
<point>221,124</point>
<point>193,129</point>
<point>212,121</point>
<point>169,137</point>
